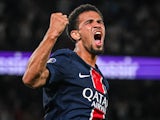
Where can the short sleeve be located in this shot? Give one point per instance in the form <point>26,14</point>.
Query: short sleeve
<point>57,65</point>
<point>55,70</point>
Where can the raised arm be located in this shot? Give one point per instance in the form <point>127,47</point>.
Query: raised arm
<point>36,73</point>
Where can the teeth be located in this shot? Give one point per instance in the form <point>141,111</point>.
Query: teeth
<point>98,32</point>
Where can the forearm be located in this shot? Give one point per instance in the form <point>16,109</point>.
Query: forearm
<point>40,56</point>
<point>37,62</point>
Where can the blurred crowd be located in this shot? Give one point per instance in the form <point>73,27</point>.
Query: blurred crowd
<point>132,28</point>
<point>134,100</point>
<point>18,102</point>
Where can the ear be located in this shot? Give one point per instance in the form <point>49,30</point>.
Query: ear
<point>75,35</point>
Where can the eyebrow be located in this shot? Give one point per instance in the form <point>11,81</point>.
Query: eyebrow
<point>91,20</point>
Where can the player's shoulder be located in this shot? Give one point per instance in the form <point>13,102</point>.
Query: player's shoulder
<point>62,52</point>
<point>61,56</point>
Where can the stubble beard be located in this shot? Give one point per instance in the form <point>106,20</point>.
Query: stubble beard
<point>94,51</point>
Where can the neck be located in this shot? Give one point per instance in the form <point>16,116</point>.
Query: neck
<point>86,56</point>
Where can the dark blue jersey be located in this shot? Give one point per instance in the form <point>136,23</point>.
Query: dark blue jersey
<point>74,90</point>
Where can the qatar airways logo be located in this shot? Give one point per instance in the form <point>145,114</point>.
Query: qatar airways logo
<point>98,100</point>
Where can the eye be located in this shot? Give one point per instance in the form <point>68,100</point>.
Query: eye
<point>89,21</point>
<point>100,21</point>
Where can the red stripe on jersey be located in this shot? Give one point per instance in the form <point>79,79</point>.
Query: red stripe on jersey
<point>97,115</point>
<point>97,81</point>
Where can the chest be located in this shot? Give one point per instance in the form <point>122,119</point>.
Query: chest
<point>84,76</point>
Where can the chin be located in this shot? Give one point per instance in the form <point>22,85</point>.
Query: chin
<point>97,52</point>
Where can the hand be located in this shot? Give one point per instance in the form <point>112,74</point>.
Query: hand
<point>58,22</point>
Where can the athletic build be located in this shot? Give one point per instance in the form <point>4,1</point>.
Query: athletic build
<point>73,86</point>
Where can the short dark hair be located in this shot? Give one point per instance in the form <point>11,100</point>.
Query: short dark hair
<point>73,17</point>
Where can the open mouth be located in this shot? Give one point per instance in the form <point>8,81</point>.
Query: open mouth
<point>97,38</point>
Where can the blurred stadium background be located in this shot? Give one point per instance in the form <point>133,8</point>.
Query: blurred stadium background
<point>133,29</point>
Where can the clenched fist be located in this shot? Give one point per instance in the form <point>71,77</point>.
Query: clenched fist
<point>58,22</point>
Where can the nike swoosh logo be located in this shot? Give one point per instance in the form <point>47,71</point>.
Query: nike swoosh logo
<point>83,76</point>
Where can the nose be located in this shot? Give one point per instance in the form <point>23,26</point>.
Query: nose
<point>97,27</point>
<point>96,24</point>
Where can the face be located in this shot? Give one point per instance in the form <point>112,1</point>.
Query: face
<point>92,32</point>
